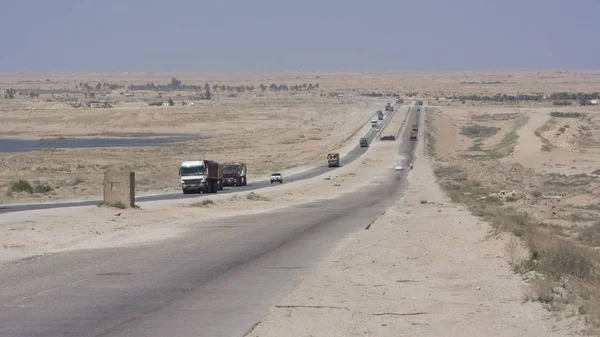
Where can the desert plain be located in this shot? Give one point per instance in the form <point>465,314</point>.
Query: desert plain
<point>499,226</point>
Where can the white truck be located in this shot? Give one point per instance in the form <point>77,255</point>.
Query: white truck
<point>199,176</point>
<point>374,122</point>
<point>276,178</point>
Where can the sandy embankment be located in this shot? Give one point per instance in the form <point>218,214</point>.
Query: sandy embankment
<point>38,232</point>
<point>421,270</point>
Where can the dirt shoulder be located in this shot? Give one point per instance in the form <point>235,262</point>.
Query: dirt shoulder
<point>422,269</point>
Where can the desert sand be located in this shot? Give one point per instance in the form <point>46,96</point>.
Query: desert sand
<point>506,243</point>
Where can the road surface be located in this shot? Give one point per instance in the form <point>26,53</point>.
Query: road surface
<point>218,280</point>
<point>348,158</point>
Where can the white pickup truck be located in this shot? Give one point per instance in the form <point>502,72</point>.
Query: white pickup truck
<point>276,177</point>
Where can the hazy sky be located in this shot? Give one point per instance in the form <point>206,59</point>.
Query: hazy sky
<point>306,35</point>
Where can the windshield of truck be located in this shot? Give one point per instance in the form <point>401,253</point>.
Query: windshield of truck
<point>192,171</point>
<point>332,156</point>
<point>230,168</point>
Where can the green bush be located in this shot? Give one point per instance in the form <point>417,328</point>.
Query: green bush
<point>21,186</point>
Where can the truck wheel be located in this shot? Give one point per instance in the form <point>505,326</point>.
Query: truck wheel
<point>244,181</point>
<point>185,191</point>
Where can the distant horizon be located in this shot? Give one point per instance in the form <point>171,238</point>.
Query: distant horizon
<point>305,72</point>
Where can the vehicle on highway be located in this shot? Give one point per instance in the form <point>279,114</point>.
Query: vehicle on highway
<point>377,129</point>
<point>199,176</point>
<point>333,159</point>
<point>364,142</point>
<point>398,168</point>
<point>390,137</point>
<point>276,177</point>
<point>234,174</point>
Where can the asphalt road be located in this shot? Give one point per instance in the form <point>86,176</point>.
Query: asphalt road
<point>348,158</point>
<point>218,280</point>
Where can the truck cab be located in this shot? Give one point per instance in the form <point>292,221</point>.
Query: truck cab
<point>199,176</point>
<point>333,159</point>
<point>363,142</point>
<point>234,174</point>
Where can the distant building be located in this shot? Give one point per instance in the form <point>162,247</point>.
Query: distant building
<point>594,102</point>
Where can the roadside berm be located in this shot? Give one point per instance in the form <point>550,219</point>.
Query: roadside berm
<point>427,267</point>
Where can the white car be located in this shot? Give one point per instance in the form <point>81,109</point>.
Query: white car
<point>398,168</point>
<point>276,177</point>
<point>377,130</point>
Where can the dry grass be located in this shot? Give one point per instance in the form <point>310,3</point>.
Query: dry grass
<point>591,234</point>
<point>542,248</point>
<point>256,197</point>
<point>117,204</point>
<point>479,131</point>
<point>203,203</point>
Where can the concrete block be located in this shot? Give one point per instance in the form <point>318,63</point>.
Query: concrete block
<point>119,186</point>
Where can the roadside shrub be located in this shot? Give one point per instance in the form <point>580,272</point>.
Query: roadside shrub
<point>565,259</point>
<point>256,197</point>
<point>43,188</point>
<point>203,203</point>
<point>21,186</point>
<point>117,204</point>
<point>546,148</point>
<point>566,114</point>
